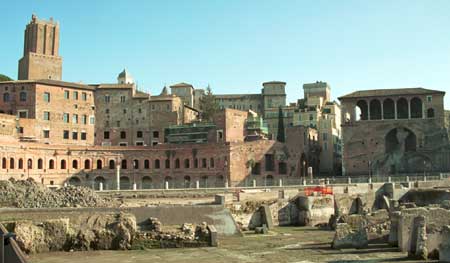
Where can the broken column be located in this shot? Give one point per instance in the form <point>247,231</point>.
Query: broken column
<point>418,247</point>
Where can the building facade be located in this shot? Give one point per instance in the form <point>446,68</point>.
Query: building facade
<point>394,131</point>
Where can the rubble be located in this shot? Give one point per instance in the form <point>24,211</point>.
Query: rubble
<point>347,237</point>
<point>29,194</point>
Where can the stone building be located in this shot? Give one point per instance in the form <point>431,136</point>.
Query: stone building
<point>41,58</point>
<point>394,131</point>
<point>316,110</point>
<point>39,106</point>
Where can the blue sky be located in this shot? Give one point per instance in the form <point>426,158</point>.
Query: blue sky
<point>235,45</point>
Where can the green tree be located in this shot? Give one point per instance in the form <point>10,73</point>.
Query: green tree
<point>4,78</point>
<point>280,135</point>
<point>208,105</point>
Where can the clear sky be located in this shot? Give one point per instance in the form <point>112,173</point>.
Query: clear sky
<point>235,45</point>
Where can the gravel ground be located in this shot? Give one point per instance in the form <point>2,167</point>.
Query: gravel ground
<point>283,244</point>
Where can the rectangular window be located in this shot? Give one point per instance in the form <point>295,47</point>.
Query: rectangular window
<point>139,134</point>
<point>156,134</point>
<point>66,117</point>
<point>106,135</point>
<point>139,143</point>
<point>92,120</point>
<point>122,99</point>
<point>66,94</point>
<point>75,95</point>
<point>325,136</point>
<point>74,135</point>
<point>123,144</point>
<point>270,162</point>
<point>123,135</point>
<point>107,98</point>
<point>83,136</point>
<point>75,118</point>
<point>20,129</point>
<point>46,116</point>
<point>84,96</point>
<point>66,134</point>
<point>46,134</point>
<point>429,98</point>
<point>46,96</point>
<point>84,119</point>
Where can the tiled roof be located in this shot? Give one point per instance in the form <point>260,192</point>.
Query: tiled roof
<point>52,82</point>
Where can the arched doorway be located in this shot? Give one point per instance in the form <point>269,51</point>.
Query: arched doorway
<point>269,180</point>
<point>124,183</point>
<point>400,140</point>
<point>146,182</point>
<point>97,181</point>
<point>75,181</point>
<point>187,182</point>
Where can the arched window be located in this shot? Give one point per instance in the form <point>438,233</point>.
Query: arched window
<point>146,164</point>
<point>375,109</point>
<point>99,164</point>
<point>388,109</point>
<point>40,164</point>
<point>51,164</point>
<point>123,164</point>
<point>196,163</point>
<point>3,163</point>
<point>211,162</point>
<point>30,163</point>
<point>11,163</point>
<point>136,164</point>
<point>87,164</point>
<point>63,164</point>
<point>20,163</point>
<point>177,163</point>
<point>112,164</point>
<point>167,164</point>
<point>363,110</point>
<point>430,113</point>
<point>6,97</point>
<point>23,96</point>
<point>75,164</point>
<point>157,164</point>
<point>402,108</point>
<point>186,163</point>
<point>416,108</point>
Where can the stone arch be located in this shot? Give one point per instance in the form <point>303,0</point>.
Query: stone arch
<point>363,110</point>
<point>20,165</point>
<point>147,182</point>
<point>269,180</point>
<point>204,181</point>
<point>123,164</point>
<point>63,164</point>
<point>388,109</point>
<point>416,108</point>
<point>400,140</point>
<point>51,164</point>
<point>187,182</point>
<point>402,109</point>
<point>11,163</point>
<point>75,181</point>
<point>75,164</point>
<point>40,164</point>
<point>430,113</point>
<point>97,181</point>
<point>375,109</point>
<point>99,164</point>
<point>87,164</point>
<point>112,164</point>
<point>357,206</point>
<point>124,183</point>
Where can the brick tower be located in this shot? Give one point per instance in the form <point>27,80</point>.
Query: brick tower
<point>40,52</point>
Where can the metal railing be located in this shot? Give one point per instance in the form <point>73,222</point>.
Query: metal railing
<point>10,251</point>
<point>263,182</point>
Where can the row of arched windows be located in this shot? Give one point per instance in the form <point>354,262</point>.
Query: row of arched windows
<point>136,164</point>
<point>390,109</point>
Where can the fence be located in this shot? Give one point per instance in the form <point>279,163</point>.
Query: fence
<point>253,182</point>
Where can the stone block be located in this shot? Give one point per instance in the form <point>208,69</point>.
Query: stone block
<point>266,216</point>
<point>213,242</point>
<point>346,237</point>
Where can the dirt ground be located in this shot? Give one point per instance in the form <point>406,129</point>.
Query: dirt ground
<point>283,244</point>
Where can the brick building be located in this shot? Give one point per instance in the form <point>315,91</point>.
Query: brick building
<point>394,131</point>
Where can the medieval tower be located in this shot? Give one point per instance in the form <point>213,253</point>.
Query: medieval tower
<point>40,52</point>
